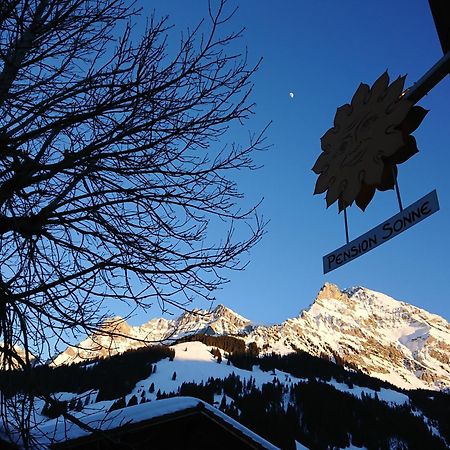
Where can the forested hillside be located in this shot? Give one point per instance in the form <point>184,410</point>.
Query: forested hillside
<point>295,397</point>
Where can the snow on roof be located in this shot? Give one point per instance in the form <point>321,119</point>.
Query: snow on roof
<point>60,430</point>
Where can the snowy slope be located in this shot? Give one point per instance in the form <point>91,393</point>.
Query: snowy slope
<point>359,328</point>
<point>193,362</point>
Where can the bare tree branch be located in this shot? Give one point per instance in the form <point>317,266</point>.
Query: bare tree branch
<point>112,170</point>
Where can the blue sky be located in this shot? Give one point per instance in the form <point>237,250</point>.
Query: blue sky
<point>321,51</point>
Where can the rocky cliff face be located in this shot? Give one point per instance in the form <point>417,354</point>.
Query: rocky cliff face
<point>221,320</point>
<point>358,328</point>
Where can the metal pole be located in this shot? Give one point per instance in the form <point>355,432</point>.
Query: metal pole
<point>397,190</point>
<point>424,85</point>
<point>346,224</point>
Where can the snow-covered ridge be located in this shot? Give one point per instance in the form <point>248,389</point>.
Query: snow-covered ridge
<point>117,336</point>
<point>366,330</point>
<point>360,328</point>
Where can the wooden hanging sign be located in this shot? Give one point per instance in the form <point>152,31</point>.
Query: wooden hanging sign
<point>392,227</point>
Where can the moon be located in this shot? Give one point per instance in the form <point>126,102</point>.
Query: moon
<point>291,94</point>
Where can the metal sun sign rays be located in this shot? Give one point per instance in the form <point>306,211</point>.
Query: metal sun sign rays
<point>371,136</point>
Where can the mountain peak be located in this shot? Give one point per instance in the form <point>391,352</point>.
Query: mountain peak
<point>223,311</point>
<point>358,296</point>
<point>221,320</point>
<point>331,292</point>
<point>115,324</point>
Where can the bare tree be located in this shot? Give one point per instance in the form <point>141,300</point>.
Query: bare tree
<point>112,167</point>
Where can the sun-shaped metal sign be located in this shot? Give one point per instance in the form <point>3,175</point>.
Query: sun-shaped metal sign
<point>370,136</point>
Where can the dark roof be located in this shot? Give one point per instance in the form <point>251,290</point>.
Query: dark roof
<point>185,423</point>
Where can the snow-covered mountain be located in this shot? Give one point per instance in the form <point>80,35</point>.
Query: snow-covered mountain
<point>358,328</point>
<point>116,336</point>
<point>366,330</point>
